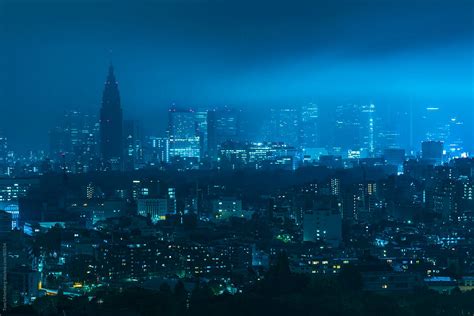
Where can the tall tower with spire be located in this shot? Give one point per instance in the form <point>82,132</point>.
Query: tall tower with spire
<point>111,122</point>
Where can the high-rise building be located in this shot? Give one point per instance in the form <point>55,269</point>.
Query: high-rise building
<point>172,205</point>
<point>133,144</point>
<point>157,150</point>
<point>75,135</point>
<point>335,187</point>
<point>284,126</point>
<point>368,129</point>
<point>58,142</point>
<point>184,141</point>
<point>309,126</point>
<point>455,143</point>
<point>201,118</point>
<point>435,125</point>
<point>74,122</point>
<point>394,156</point>
<point>3,149</point>
<point>90,190</point>
<point>5,223</point>
<point>432,151</point>
<point>13,209</point>
<point>5,156</point>
<point>90,136</point>
<point>74,142</point>
<point>355,129</point>
<point>392,130</point>
<point>223,126</point>
<point>111,122</point>
<point>323,224</point>
<point>347,126</point>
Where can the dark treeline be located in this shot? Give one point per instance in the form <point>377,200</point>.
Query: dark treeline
<point>279,293</point>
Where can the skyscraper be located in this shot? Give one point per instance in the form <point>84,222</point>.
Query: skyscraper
<point>368,130</point>
<point>184,141</point>
<point>223,125</point>
<point>347,127</point>
<point>455,142</point>
<point>435,125</point>
<point>355,129</point>
<point>432,151</point>
<point>75,138</point>
<point>202,131</point>
<point>3,154</point>
<point>111,122</point>
<point>389,130</point>
<point>3,148</point>
<point>157,150</point>
<point>309,126</point>
<point>284,126</point>
<point>133,144</point>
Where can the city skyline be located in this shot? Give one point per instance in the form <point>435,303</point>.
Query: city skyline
<point>200,137</point>
<point>188,53</point>
<point>226,157</point>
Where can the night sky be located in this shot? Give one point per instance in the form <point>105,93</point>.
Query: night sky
<point>54,56</point>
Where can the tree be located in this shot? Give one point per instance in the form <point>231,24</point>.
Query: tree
<point>350,278</point>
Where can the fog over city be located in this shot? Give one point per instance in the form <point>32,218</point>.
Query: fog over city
<point>236,158</point>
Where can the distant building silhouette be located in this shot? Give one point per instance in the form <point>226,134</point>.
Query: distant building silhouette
<point>309,126</point>
<point>223,125</point>
<point>355,130</point>
<point>283,126</point>
<point>111,122</point>
<point>432,151</point>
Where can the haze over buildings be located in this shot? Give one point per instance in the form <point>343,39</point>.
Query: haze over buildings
<point>189,158</point>
<point>249,56</point>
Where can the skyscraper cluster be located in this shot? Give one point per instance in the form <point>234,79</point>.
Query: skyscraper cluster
<point>197,137</point>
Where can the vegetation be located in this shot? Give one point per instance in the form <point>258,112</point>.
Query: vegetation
<point>279,293</point>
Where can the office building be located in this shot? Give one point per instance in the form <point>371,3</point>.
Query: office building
<point>157,150</point>
<point>309,126</point>
<point>323,223</point>
<point>432,151</point>
<point>111,123</point>
<point>184,140</point>
<point>5,223</point>
<point>283,126</point>
<point>154,208</point>
<point>394,156</point>
<point>202,130</point>
<point>133,144</point>
<point>223,126</point>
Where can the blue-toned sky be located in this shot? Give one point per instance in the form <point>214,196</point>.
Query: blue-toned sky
<point>251,54</point>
